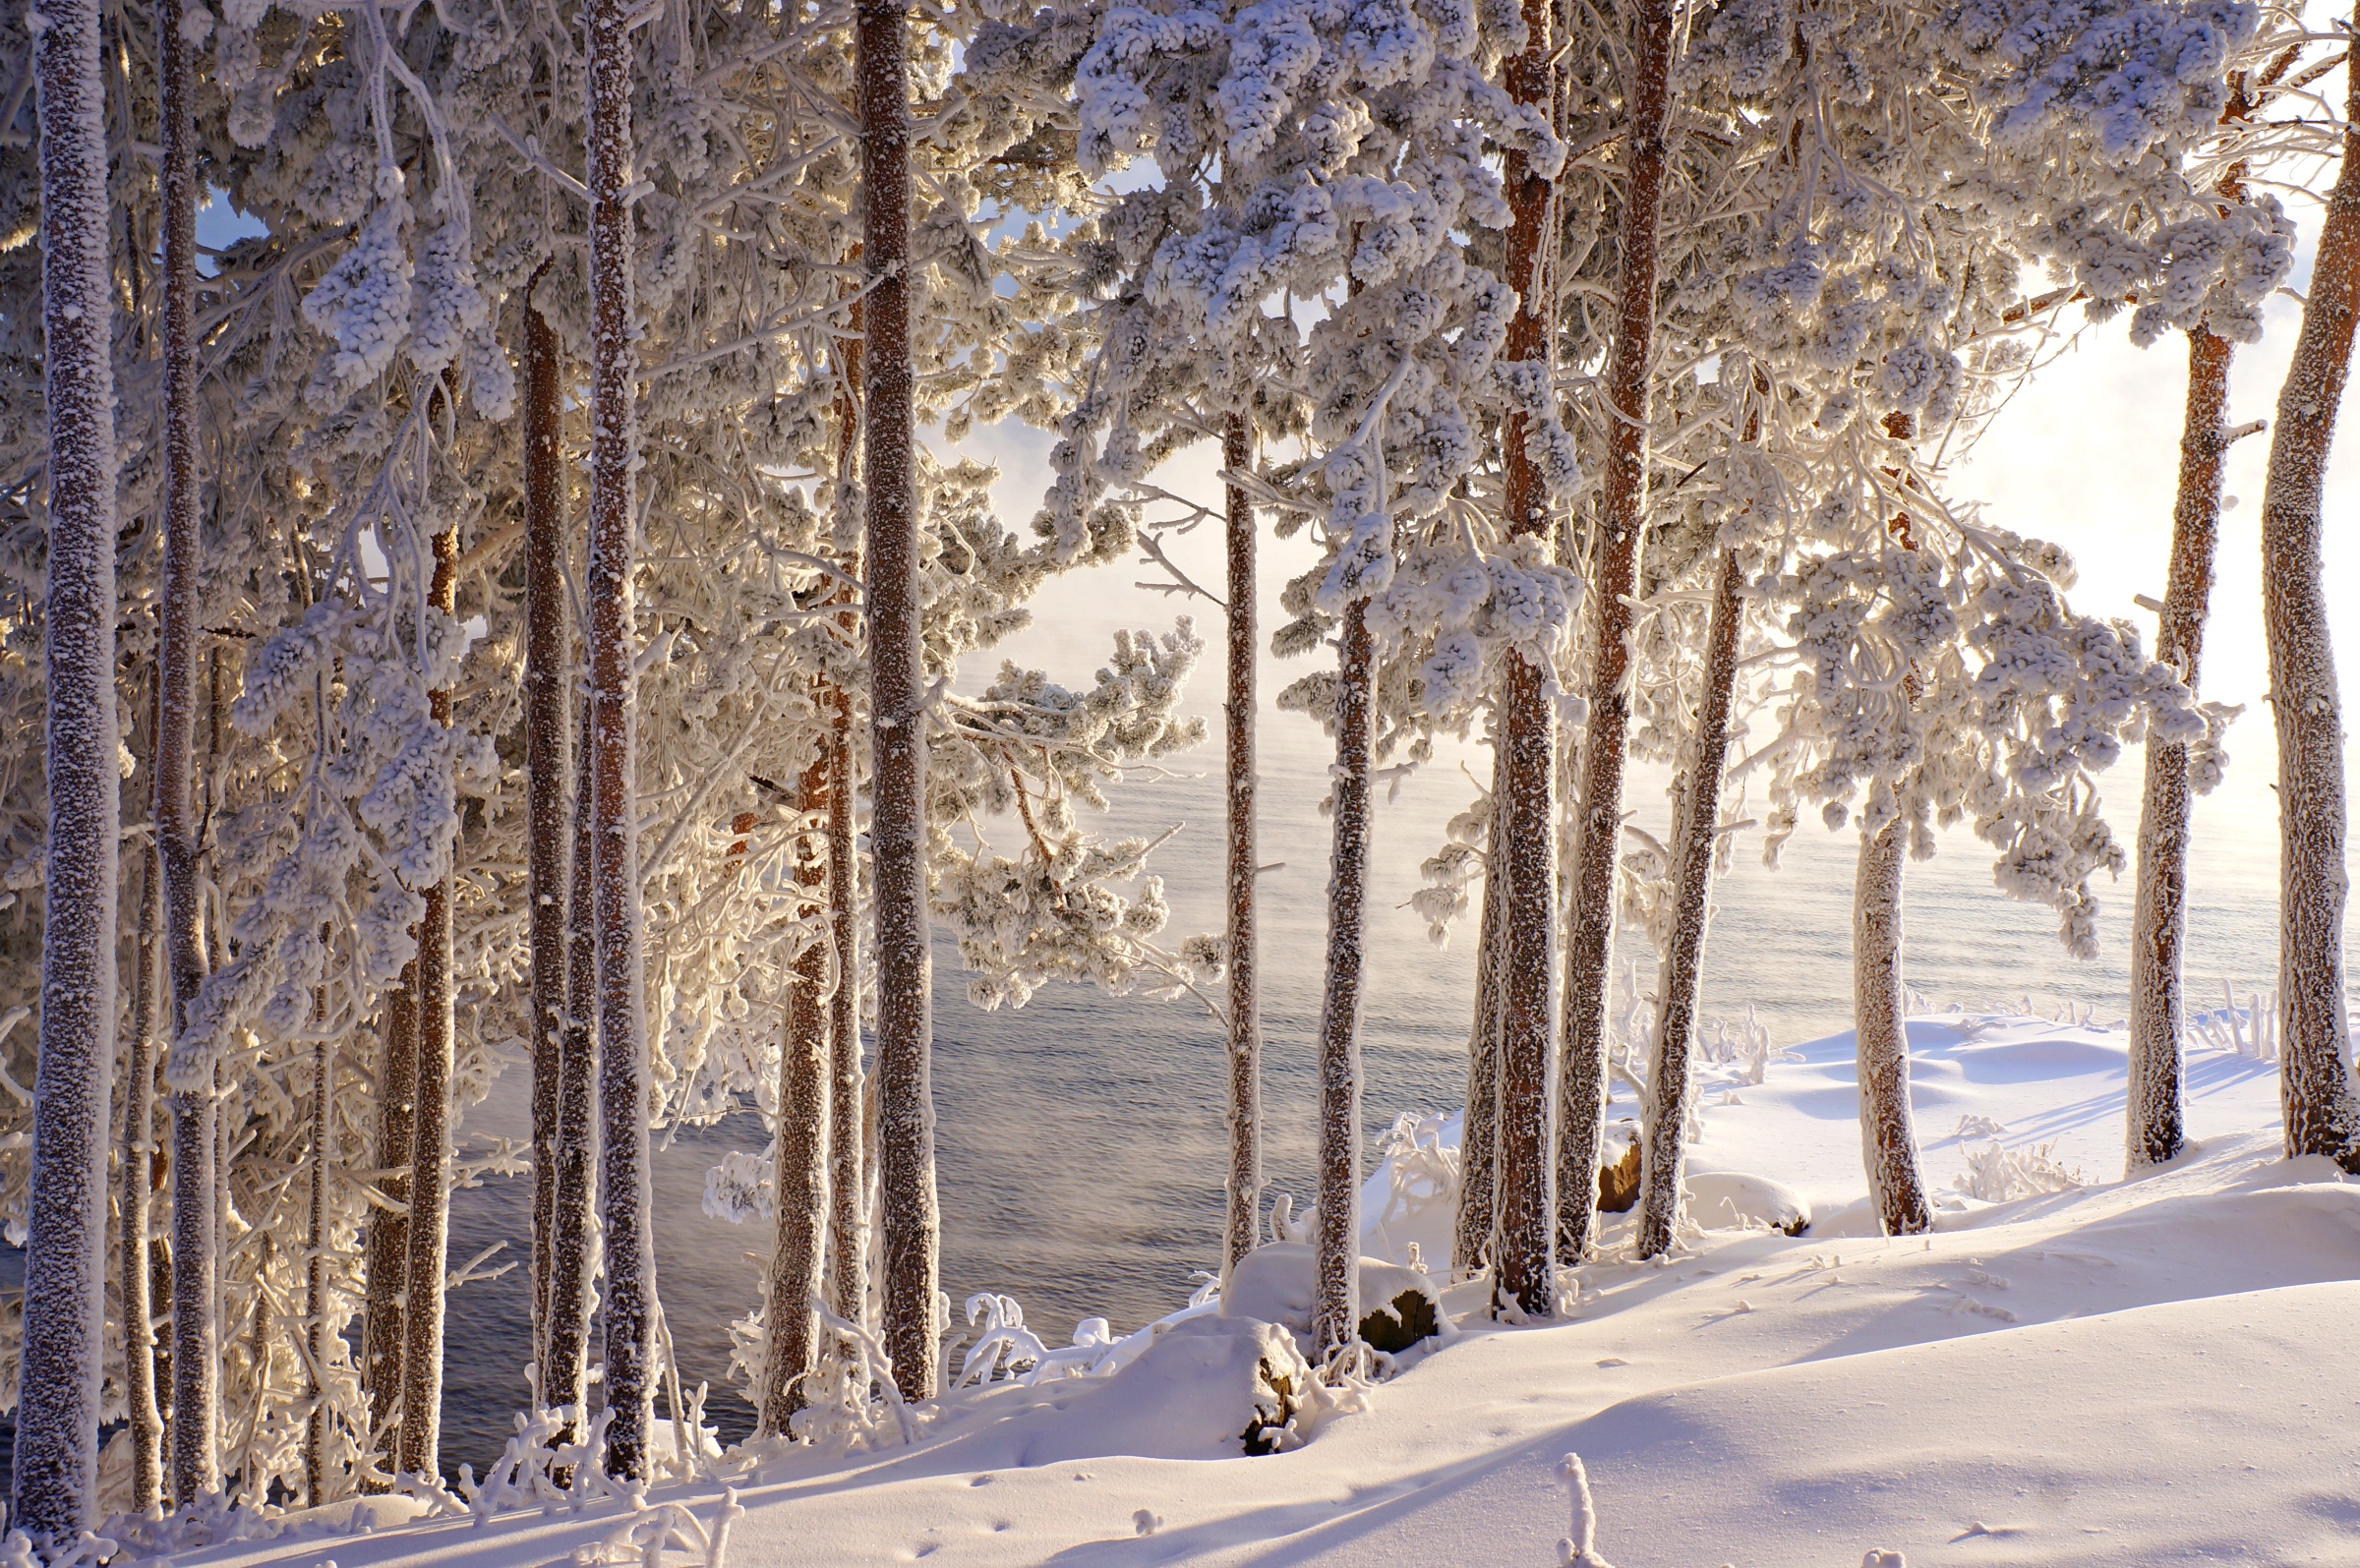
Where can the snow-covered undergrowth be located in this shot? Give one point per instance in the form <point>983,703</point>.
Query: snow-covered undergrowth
<point>2149,1372</point>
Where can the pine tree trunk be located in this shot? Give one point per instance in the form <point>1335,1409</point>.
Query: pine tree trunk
<point>848,1174</point>
<point>625,1178</point>
<point>386,1260</point>
<point>194,1458</point>
<point>1622,519</point>
<point>548,671</point>
<point>1478,1142</point>
<point>799,1165</point>
<point>1663,1145</point>
<point>2316,1080</point>
<point>65,1255</point>
<point>1524,810</point>
<point>1241,1232</point>
<point>848,1177</point>
<point>2158,923</point>
<point>1888,1134</point>
<point>315,1268</point>
<point>140,1159</point>
<point>911,1217</point>
<point>573,1241</point>
<point>1335,1285</point>
<point>429,1260</point>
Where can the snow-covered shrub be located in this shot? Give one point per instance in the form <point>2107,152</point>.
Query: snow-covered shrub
<point>1995,1173</point>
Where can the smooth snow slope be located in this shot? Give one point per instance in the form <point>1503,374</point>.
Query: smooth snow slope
<point>2152,1373</point>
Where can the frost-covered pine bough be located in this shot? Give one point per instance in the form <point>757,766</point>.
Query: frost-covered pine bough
<point>54,1487</point>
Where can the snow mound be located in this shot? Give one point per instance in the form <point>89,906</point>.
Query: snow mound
<point>1401,1306</point>
<point>1722,1200</point>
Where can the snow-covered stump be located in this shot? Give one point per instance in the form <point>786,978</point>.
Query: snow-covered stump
<point>1242,1227</point>
<point>55,1486</point>
<point>625,1178</point>
<point>1622,519</point>
<point>910,1217</point>
<point>1335,1291</point>
<point>2320,1113</point>
<point>2159,917</point>
<point>1670,1085</point>
<point>1888,1134</point>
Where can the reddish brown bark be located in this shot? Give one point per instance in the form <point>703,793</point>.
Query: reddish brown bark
<point>429,1259</point>
<point>548,670</point>
<point>911,1217</point>
<point>383,1332</point>
<point>2159,922</point>
<point>2315,1083</point>
<point>1664,1138</point>
<point>1335,1285</point>
<point>1524,842</point>
<point>564,1354</point>
<point>848,1133</point>
<point>1241,1230</point>
<point>799,1163</point>
<point>1621,520</point>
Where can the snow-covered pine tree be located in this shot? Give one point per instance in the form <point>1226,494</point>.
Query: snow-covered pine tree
<point>549,773</point>
<point>1523,840</point>
<point>1621,524</point>
<point>625,1182</point>
<point>910,1216</point>
<point>427,1266</point>
<point>1241,1227</point>
<point>2321,1108</point>
<point>54,1487</point>
<point>1696,840</point>
<point>141,1155</point>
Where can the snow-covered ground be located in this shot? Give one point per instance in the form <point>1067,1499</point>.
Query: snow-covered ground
<point>2146,1372</point>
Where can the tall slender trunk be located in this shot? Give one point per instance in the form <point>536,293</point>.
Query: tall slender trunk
<point>548,671</point>
<point>2159,922</point>
<point>64,1256</point>
<point>1524,809</point>
<point>799,1164</point>
<point>1336,1284</point>
<point>1479,1130</point>
<point>140,1153</point>
<point>847,1131</point>
<point>194,1459</point>
<point>429,1260</point>
<point>1241,1229</point>
<point>1621,520</point>
<point>1888,1132</point>
<point>912,1218</point>
<point>626,1180</point>
<point>573,1241</point>
<point>386,1258</point>
<point>314,1266</point>
<point>2316,1079</point>
<point>848,1178</point>
<point>1664,1138</point>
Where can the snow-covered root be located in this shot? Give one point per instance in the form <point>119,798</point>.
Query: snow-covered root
<point>86,1550</point>
<point>645,1538</point>
<point>1579,1549</point>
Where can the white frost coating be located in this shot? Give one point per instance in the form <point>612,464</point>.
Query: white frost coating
<point>55,1481</point>
<point>1579,1548</point>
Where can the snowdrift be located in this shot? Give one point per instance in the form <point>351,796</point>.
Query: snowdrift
<point>2145,1372</point>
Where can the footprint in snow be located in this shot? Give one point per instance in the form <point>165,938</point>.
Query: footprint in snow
<point>1145,1522</point>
